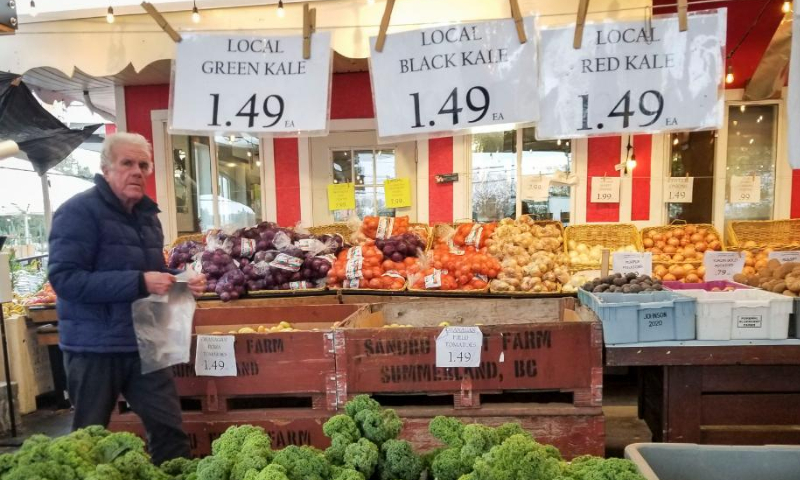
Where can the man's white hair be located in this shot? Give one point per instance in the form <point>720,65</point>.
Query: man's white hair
<point>106,158</point>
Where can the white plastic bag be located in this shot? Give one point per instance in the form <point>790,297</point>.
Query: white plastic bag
<point>163,326</point>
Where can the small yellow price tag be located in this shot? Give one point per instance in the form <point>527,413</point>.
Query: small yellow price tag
<point>398,192</point>
<point>341,196</point>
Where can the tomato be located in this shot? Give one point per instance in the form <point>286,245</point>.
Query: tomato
<point>375,283</point>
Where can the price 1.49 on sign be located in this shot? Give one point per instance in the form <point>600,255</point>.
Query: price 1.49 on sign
<point>678,189</point>
<point>456,77</point>
<point>459,347</point>
<point>215,356</point>
<point>632,77</point>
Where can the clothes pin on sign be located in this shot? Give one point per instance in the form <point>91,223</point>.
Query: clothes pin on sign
<point>387,15</point>
<point>683,16</point>
<point>517,16</point>
<point>309,27</point>
<point>583,9</point>
<point>162,22</point>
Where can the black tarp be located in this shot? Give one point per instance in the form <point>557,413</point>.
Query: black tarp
<point>39,134</point>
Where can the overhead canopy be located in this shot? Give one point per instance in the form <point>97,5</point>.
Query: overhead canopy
<point>44,139</point>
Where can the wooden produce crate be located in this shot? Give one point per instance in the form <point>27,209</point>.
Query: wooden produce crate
<point>42,314</point>
<point>284,426</point>
<point>573,430</point>
<point>751,234</point>
<point>275,367</point>
<point>531,346</point>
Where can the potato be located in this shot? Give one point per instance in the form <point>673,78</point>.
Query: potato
<point>740,278</point>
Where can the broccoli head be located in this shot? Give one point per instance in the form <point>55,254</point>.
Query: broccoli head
<point>507,429</point>
<point>231,441</point>
<point>399,461</point>
<point>447,430</point>
<point>339,473</point>
<point>359,403</point>
<point>335,453</point>
<point>342,425</point>
<point>517,457</point>
<point>448,465</point>
<point>478,439</point>
<point>379,425</point>
<point>362,456</point>
<point>588,467</point>
<point>303,463</point>
<point>215,467</point>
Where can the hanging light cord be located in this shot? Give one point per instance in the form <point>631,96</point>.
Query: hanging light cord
<point>749,30</point>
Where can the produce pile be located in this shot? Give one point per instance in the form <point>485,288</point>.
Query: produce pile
<point>619,283</point>
<point>279,328</point>
<point>686,273</point>
<point>364,446</point>
<point>455,267</point>
<point>585,255</point>
<point>685,243</point>
<point>45,296</point>
<point>365,266</point>
<point>774,277</point>
<point>382,228</point>
<point>531,257</point>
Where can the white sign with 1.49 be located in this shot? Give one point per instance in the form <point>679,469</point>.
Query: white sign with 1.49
<point>633,77</point>
<point>253,84</point>
<point>678,189</point>
<point>459,347</point>
<point>450,78</point>
<point>215,356</point>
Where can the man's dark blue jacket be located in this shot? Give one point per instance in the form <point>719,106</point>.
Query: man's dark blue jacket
<point>98,256</point>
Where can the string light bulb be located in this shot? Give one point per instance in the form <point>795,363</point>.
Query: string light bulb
<point>195,13</point>
<point>729,76</point>
<point>281,12</point>
<point>787,7</point>
<point>33,9</point>
<point>110,14</point>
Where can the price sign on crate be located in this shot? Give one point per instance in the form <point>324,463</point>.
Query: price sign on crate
<point>456,77</point>
<point>632,262</point>
<point>215,356</point>
<point>605,190</point>
<point>459,347</point>
<point>745,189</point>
<point>722,265</point>
<point>254,84</point>
<point>633,76</point>
<point>678,189</point>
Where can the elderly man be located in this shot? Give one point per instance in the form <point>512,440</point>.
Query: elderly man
<point>106,252</point>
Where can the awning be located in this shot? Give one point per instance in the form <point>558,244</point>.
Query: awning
<point>44,139</point>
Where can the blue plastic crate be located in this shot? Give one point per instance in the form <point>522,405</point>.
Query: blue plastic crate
<point>642,317</point>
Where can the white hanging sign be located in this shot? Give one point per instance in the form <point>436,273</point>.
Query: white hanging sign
<point>254,84</point>
<point>632,262</point>
<point>678,189</point>
<point>535,188</point>
<point>722,265</point>
<point>785,257</point>
<point>215,356</point>
<point>745,189</point>
<point>459,347</point>
<point>633,77</point>
<point>793,107</point>
<point>605,190</point>
<point>456,77</point>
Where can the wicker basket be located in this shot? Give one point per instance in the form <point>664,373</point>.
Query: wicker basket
<point>428,229</point>
<point>332,229</point>
<point>777,234</point>
<point>665,228</point>
<point>195,237</point>
<point>610,235</point>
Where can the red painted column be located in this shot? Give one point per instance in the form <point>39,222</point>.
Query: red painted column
<point>603,155</point>
<point>640,199</point>
<point>287,181</point>
<point>795,212</point>
<point>140,100</point>
<point>440,195</point>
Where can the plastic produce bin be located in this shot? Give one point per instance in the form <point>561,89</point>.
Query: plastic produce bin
<point>642,317</point>
<point>707,286</point>
<point>741,315</point>
<point>688,461</point>
<point>794,322</point>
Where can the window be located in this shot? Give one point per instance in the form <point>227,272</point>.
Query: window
<point>752,139</point>
<point>367,169</point>
<point>692,155</point>
<point>239,180</point>
<point>547,157</point>
<point>191,165</point>
<point>494,175</point>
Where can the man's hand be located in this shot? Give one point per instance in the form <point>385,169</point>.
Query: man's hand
<point>158,283</point>
<point>198,285</point>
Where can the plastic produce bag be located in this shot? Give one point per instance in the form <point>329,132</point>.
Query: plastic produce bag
<point>163,326</point>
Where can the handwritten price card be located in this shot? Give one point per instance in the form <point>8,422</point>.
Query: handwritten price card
<point>398,192</point>
<point>535,188</point>
<point>745,189</point>
<point>631,262</point>
<point>254,84</point>
<point>722,265</point>
<point>605,190</point>
<point>633,77</point>
<point>457,77</point>
<point>215,356</point>
<point>459,347</point>
<point>341,196</point>
<point>678,189</point>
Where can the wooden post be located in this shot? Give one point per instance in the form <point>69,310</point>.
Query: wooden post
<point>604,263</point>
<point>683,16</point>
<point>161,21</point>
<point>309,27</point>
<point>517,16</point>
<point>387,15</point>
<point>583,9</point>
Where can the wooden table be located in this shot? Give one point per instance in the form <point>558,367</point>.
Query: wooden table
<point>738,392</point>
